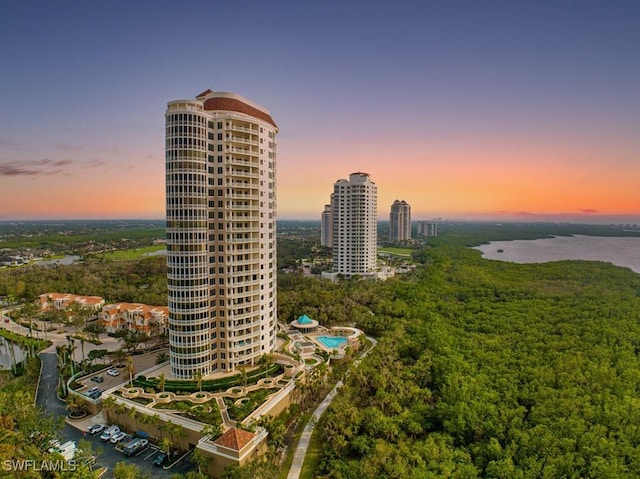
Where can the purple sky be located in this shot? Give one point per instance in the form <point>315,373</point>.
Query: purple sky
<point>464,109</point>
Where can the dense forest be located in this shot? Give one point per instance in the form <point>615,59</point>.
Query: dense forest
<point>492,369</point>
<point>483,368</point>
<point>140,281</point>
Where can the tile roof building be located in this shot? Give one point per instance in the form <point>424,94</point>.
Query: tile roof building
<point>150,320</point>
<point>62,301</point>
<point>221,225</point>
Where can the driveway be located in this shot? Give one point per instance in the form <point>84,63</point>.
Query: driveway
<point>47,399</point>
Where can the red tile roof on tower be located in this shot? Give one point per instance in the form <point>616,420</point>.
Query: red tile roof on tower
<point>235,439</point>
<point>232,104</point>
<point>204,93</point>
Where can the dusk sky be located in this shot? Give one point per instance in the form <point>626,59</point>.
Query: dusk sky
<point>508,110</point>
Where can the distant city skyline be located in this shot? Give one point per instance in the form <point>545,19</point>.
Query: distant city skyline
<point>504,111</point>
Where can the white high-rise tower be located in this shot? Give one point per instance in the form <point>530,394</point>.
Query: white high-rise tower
<point>221,232</point>
<point>354,216</point>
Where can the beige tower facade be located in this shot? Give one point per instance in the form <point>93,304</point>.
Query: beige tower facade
<point>400,222</point>
<point>221,232</point>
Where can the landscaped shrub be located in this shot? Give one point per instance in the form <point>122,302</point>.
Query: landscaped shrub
<point>214,385</point>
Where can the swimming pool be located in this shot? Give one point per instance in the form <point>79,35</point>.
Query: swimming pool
<point>332,342</point>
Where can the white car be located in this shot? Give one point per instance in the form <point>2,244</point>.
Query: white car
<point>96,428</point>
<point>113,372</point>
<point>109,432</point>
<point>117,437</point>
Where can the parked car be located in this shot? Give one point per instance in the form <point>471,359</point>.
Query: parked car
<point>108,432</point>
<point>95,394</point>
<point>117,437</point>
<point>97,379</point>
<point>134,446</point>
<point>160,459</point>
<point>66,450</point>
<point>96,428</point>
<point>91,391</point>
<point>113,372</point>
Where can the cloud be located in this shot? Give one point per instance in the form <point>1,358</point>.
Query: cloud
<point>94,163</point>
<point>588,211</point>
<point>9,169</point>
<point>67,147</point>
<point>516,213</point>
<point>44,166</point>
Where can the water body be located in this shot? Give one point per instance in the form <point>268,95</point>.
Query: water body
<point>5,353</point>
<point>618,251</point>
<point>65,260</point>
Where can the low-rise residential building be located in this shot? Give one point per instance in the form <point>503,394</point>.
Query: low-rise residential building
<point>150,320</point>
<point>62,301</point>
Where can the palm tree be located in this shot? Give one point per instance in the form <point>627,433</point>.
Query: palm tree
<point>131,370</point>
<point>70,348</point>
<point>199,459</point>
<point>212,430</point>
<point>162,358</point>
<point>180,432</point>
<point>75,403</point>
<point>133,414</point>
<point>121,409</point>
<point>82,349</point>
<point>166,445</point>
<point>153,421</point>
<point>118,355</point>
<point>267,359</point>
<point>60,352</point>
<point>198,378</point>
<point>108,404</point>
<point>243,373</point>
<point>80,314</point>
<point>161,381</point>
<point>171,429</point>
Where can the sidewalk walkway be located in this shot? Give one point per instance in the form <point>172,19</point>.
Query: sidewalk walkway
<point>305,437</point>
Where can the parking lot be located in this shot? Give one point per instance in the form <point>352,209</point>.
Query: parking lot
<point>108,454</point>
<point>108,381</point>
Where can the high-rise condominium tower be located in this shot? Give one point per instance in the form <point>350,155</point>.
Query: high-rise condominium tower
<point>353,211</point>
<point>326,227</point>
<point>400,221</point>
<point>428,228</point>
<point>221,232</point>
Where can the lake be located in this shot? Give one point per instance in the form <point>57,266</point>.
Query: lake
<point>623,251</point>
<point>5,354</point>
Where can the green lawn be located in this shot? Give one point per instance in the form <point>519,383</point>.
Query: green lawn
<point>130,254</point>
<point>396,251</point>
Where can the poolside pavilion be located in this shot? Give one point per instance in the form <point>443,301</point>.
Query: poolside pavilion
<point>305,324</point>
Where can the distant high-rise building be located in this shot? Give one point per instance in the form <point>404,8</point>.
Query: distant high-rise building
<point>221,233</point>
<point>428,228</point>
<point>326,228</point>
<point>400,222</point>
<point>354,219</point>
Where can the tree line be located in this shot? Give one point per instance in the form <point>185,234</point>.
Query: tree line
<point>492,369</point>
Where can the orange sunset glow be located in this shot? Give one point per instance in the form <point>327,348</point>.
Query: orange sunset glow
<point>493,113</point>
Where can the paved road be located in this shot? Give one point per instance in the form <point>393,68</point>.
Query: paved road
<point>47,399</point>
<point>305,437</point>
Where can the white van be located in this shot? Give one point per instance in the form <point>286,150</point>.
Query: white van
<point>67,450</point>
<point>108,432</point>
